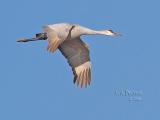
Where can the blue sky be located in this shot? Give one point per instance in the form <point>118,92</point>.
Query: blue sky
<point>37,85</point>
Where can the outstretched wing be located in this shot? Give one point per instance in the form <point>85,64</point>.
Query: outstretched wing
<point>53,40</point>
<point>77,54</point>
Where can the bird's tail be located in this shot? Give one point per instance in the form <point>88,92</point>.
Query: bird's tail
<point>39,36</point>
<point>42,36</point>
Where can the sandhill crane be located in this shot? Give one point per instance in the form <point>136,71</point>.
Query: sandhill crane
<point>66,38</point>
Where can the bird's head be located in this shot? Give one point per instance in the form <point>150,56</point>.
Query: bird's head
<point>111,33</point>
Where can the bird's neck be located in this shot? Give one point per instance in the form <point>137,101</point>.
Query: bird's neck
<point>87,31</point>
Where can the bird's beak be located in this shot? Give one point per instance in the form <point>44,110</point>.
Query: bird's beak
<point>117,34</point>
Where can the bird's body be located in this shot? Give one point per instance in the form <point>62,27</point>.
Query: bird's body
<point>61,29</point>
<point>66,38</point>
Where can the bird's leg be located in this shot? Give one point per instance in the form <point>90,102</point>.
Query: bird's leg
<point>39,36</point>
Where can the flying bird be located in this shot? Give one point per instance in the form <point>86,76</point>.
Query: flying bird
<point>66,38</point>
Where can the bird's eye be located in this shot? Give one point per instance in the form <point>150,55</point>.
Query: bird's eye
<point>110,31</point>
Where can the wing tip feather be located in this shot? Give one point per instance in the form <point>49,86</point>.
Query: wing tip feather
<point>83,79</point>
